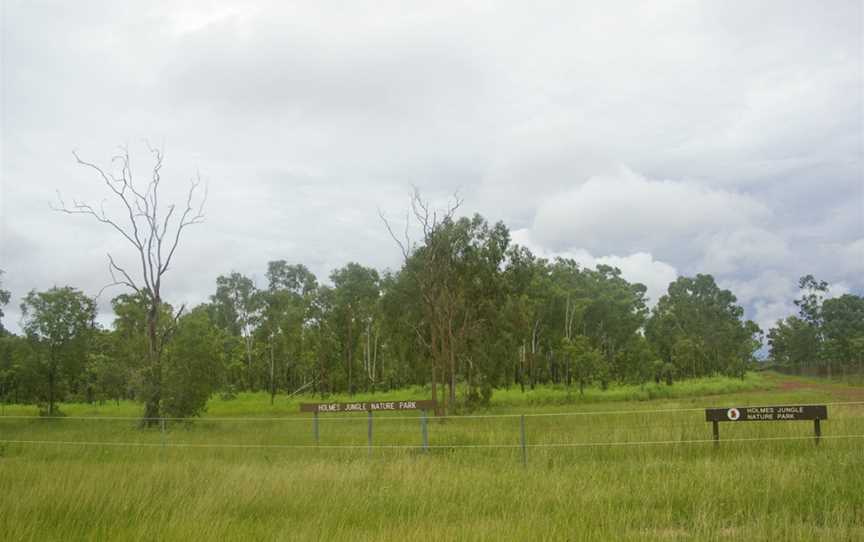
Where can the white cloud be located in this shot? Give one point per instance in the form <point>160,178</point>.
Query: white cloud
<point>741,123</point>
<point>748,248</point>
<point>628,212</point>
<point>637,267</point>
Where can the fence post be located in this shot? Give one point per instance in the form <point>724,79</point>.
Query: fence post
<point>162,432</point>
<point>524,444</point>
<point>370,432</point>
<point>715,426</point>
<point>424,430</point>
<point>817,430</point>
<point>315,429</point>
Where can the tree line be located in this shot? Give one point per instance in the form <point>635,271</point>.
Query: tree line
<point>825,337</point>
<point>466,312</point>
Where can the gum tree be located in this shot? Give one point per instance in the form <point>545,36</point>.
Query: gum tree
<point>153,229</point>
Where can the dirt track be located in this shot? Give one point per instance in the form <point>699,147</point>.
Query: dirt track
<point>841,391</point>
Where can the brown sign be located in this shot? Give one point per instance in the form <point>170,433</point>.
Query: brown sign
<point>767,413</point>
<point>368,406</point>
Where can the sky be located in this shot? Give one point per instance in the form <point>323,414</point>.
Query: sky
<point>665,138</point>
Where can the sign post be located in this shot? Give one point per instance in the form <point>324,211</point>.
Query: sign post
<point>424,430</point>
<point>369,407</point>
<point>523,440</point>
<point>369,412</point>
<point>767,414</point>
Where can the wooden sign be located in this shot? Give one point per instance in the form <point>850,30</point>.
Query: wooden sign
<point>816,413</point>
<point>767,413</point>
<point>368,406</point>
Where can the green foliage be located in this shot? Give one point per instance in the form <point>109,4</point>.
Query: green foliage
<point>4,299</point>
<point>191,369</point>
<point>698,328</point>
<point>59,327</point>
<point>824,336</point>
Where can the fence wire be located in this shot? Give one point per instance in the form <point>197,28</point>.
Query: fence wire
<point>418,446</point>
<point>389,417</point>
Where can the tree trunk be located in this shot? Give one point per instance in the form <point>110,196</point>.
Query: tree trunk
<point>450,360</point>
<point>51,383</point>
<point>272,374</point>
<point>153,394</point>
<point>350,362</point>
<point>522,368</point>
<point>434,352</point>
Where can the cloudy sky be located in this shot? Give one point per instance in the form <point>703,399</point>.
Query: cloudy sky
<point>665,138</point>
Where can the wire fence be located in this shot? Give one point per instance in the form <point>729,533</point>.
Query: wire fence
<point>587,429</point>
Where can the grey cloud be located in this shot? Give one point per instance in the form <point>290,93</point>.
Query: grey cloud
<point>741,122</point>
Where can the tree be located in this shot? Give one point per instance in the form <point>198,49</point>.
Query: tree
<point>288,307</point>
<point>356,293</point>
<point>237,306</point>
<point>699,328</point>
<point>586,360</point>
<point>456,271</point>
<point>153,230</point>
<point>58,324</point>
<point>843,323</point>
<point>192,365</point>
<point>4,299</point>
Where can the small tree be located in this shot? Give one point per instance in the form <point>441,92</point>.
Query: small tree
<point>153,229</point>
<point>58,323</point>
<point>584,358</point>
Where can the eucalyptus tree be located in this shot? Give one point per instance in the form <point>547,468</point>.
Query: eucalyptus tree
<point>812,295</point>
<point>699,328</point>
<point>288,310</point>
<point>153,229</point>
<point>4,299</point>
<point>59,324</point>
<point>585,360</point>
<point>453,265</point>
<point>237,309</point>
<point>843,330</point>
<point>404,331</point>
<point>793,343</point>
<point>528,314</point>
<point>614,312</point>
<point>356,291</point>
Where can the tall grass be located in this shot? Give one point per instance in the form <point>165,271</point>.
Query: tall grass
<point>614,490</point>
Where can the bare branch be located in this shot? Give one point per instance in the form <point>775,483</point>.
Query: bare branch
<point>405,248</point>
<point>186,219</point>
<point>112,266</point>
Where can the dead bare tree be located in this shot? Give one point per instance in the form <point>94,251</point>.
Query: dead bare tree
<point>153,229</point>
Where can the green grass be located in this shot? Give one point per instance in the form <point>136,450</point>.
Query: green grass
<point>743,490</point>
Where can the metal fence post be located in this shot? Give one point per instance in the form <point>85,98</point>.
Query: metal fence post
<point>162,432</point>
<point>424,430</point>
<point>524,443</point>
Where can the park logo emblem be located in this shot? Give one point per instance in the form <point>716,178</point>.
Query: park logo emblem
<point>733,414</point>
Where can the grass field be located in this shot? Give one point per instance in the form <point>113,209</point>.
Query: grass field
<point>251,471</point>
